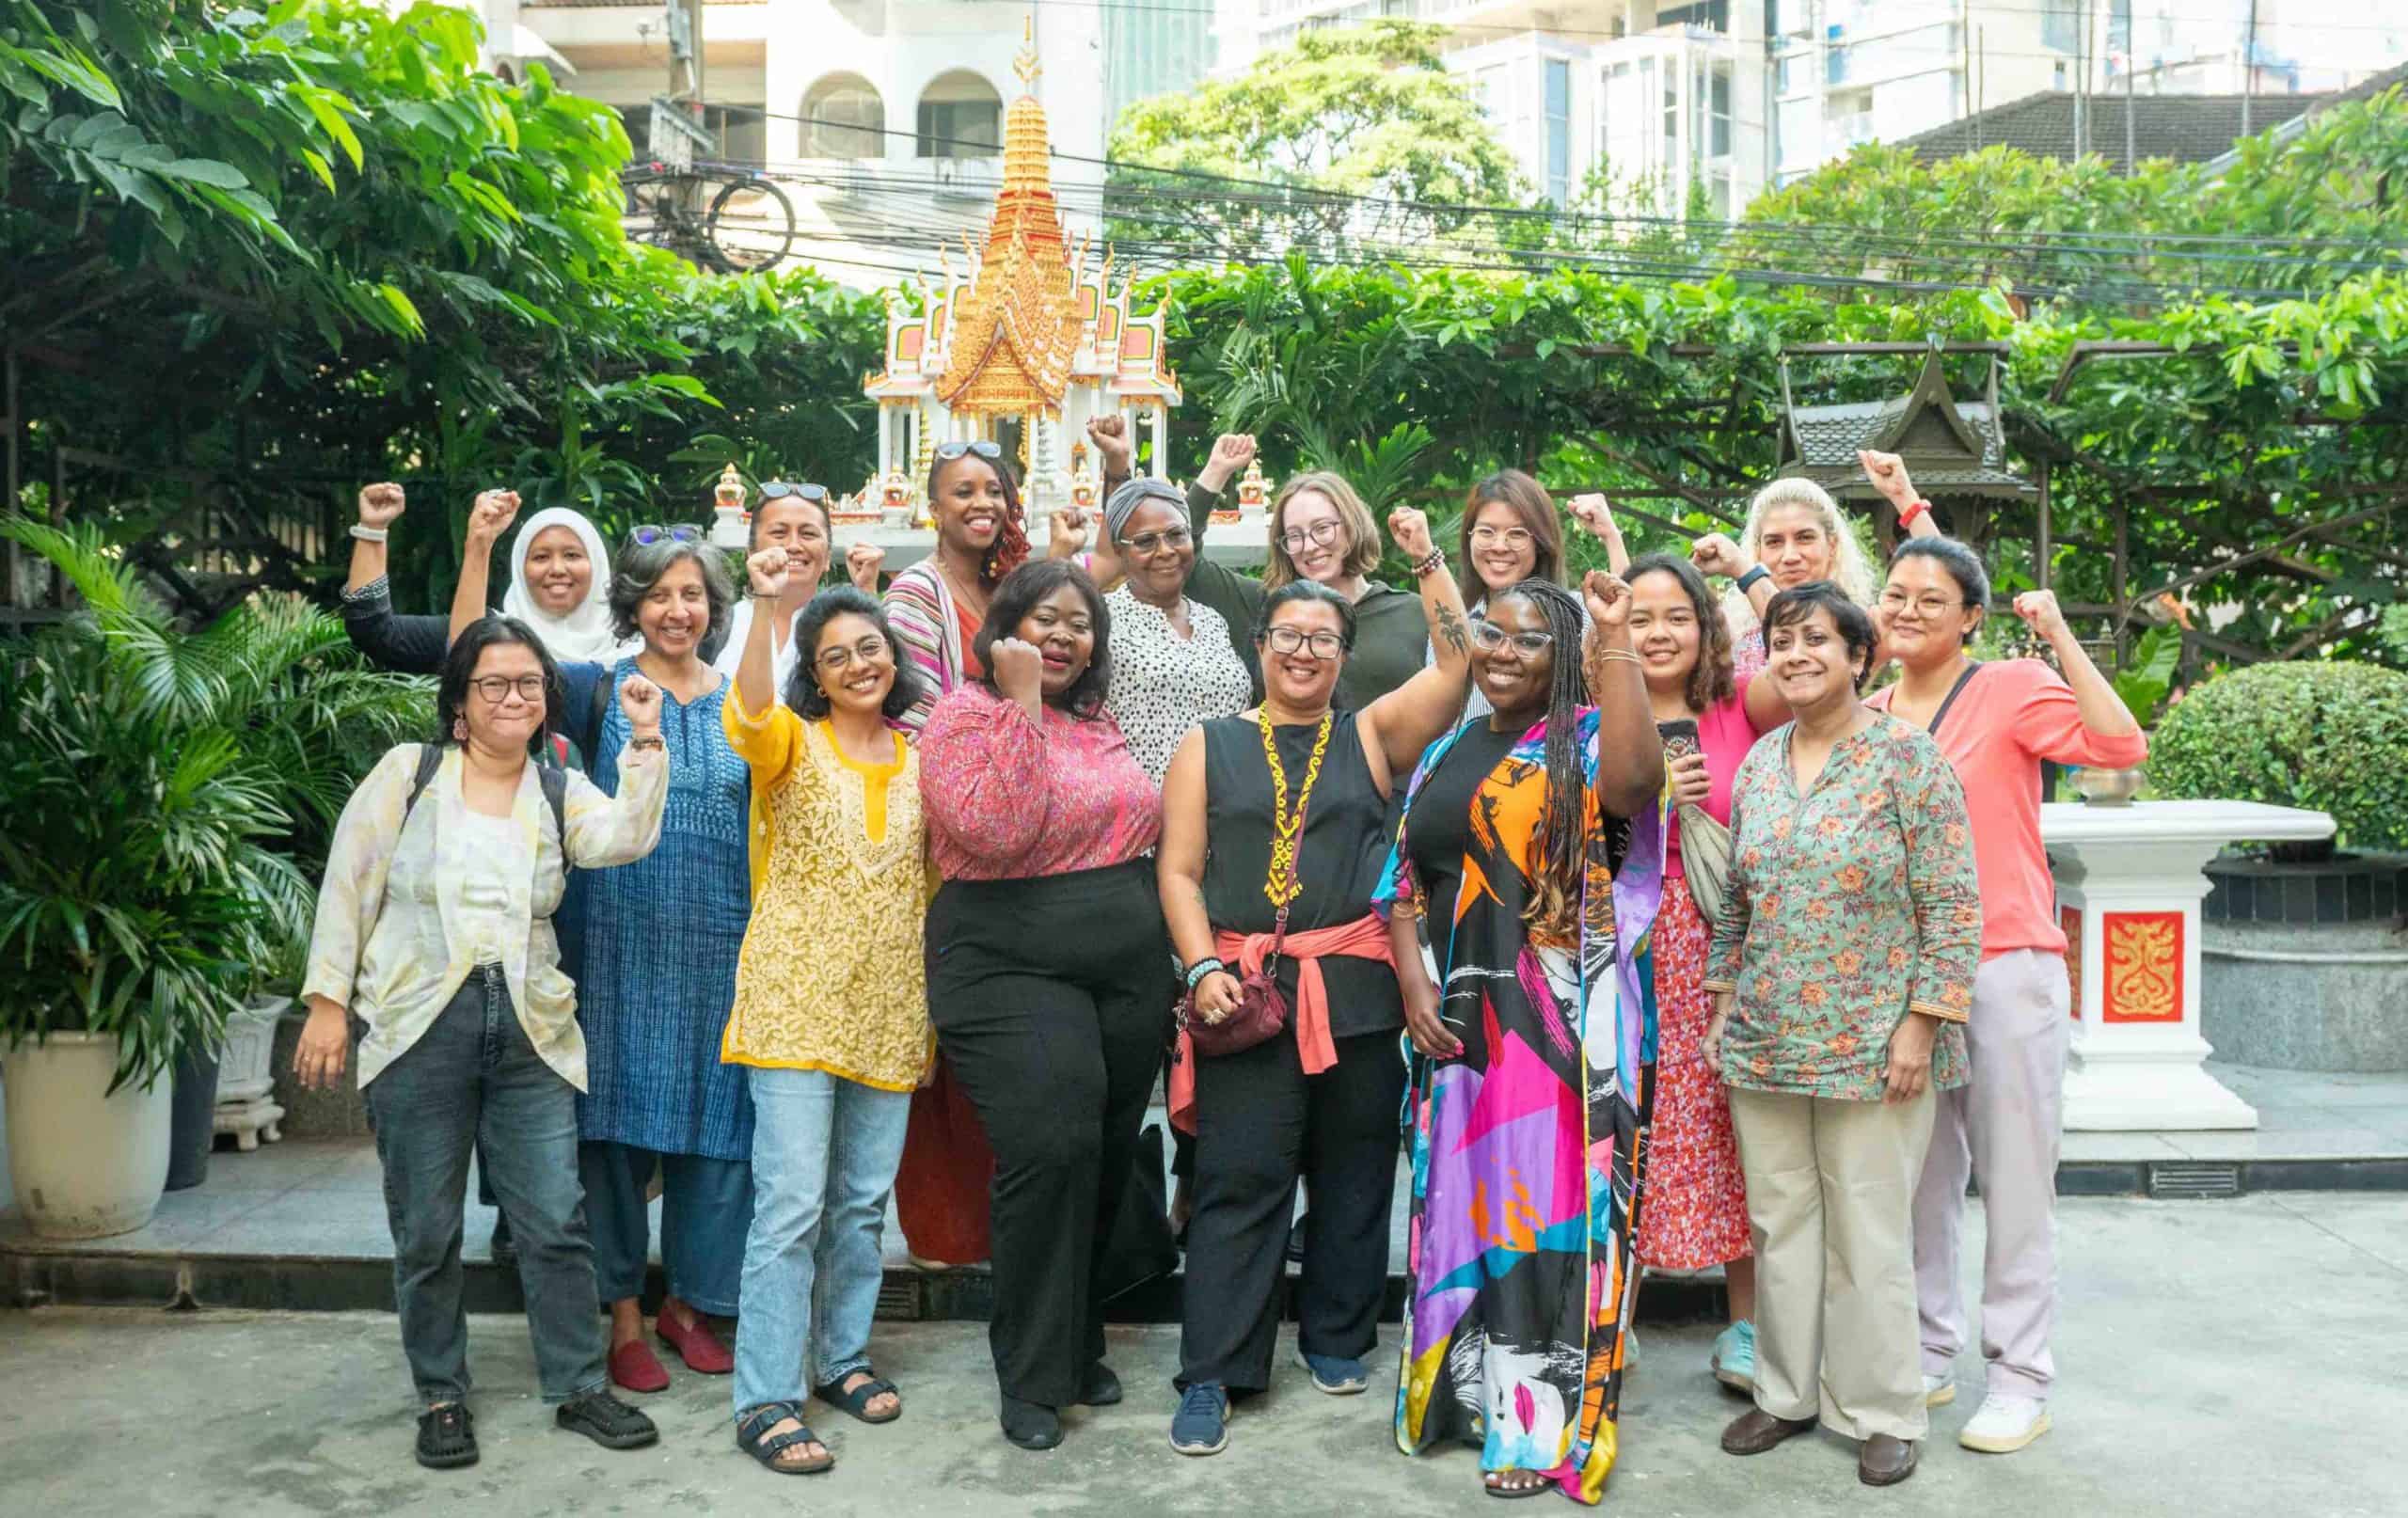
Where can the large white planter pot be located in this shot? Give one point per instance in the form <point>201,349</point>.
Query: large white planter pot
<point>86,1164</point>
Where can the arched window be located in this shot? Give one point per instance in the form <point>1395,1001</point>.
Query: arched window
<point>960,117</point>
<point>844,117</point>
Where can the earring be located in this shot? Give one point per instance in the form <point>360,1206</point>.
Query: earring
<point>459,730</point>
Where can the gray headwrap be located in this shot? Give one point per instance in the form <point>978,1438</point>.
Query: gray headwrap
<point>1135,493</point>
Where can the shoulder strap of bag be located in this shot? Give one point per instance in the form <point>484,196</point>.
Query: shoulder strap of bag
<point>1972,668</point>
<point>598,708</point>
<point>430,759</point>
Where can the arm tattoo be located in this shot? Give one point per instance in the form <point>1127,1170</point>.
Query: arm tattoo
<point>1450,628</point>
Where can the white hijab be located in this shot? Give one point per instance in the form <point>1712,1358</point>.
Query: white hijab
<point>585,635</point>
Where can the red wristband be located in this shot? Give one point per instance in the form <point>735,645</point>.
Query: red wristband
<point>1911,509</point>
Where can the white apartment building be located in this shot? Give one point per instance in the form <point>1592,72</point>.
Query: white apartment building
<point>1732,96</point>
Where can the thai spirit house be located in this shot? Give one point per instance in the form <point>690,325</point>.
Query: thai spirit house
<point>1021,347</point>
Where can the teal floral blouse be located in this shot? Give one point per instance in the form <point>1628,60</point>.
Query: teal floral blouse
<point>1848,908</point>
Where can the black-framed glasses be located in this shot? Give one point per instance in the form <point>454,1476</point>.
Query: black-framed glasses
<point>652,532</point>
<point>980,446</point>
<point>781,489</point>
<point>1323,644</point>
<point>1144,543</point>
<point>1488,638</point>
<point>496,689</point>
<point>840,657</point>
<point>1323,532</point>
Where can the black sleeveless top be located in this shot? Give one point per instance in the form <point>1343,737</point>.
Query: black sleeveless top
<point>1345,847</point>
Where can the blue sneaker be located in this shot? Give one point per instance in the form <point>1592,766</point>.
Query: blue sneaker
<point>1334,1374</point>
<point>1735,1356</point>
<point>1201,1425</point>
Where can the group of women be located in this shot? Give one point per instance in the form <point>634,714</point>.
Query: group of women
<point>1675,949</point>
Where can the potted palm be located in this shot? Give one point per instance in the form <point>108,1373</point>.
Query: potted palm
<point>159,780</point>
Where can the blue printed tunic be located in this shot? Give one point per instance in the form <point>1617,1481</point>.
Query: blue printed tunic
<point>655,943</point>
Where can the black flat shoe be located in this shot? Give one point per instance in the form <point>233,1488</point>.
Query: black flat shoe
<point>1101,1388</point>
<point>447,1437</point>
<point>1031,1425</point>
<point>606,1421</point>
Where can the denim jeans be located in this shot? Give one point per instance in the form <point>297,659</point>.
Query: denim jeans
<point>705,1207</point>
<point>824,1154</point>
<point>472,1081</point>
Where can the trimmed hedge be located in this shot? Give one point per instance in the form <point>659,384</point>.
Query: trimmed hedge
<point>2333,738</point>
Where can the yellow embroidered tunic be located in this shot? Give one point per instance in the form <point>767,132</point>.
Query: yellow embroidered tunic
<point>831,977</point>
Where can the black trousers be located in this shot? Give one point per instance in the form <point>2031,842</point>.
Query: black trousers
<point>1052,998</point>
<point>1262,1122</point>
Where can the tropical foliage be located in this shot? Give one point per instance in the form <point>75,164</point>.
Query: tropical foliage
<point>169,796</point>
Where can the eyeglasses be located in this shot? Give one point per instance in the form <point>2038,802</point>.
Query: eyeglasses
<point>781,489</point>
<point>1323,532</point>
<point>496,689</point>
<point>1928,606</point>
<point>1173,538</point>
<point>1489,537</point>
<point>984,448</point>
<point>1324,645</point>
<point>1488,638</point>
<point>867,651</point>
<point>645,536</point>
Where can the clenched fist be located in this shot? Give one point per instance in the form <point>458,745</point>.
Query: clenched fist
<point>861,563</point>
<point>1608,601</point>
<point>1411,529</point>
<point>769,571</point>
<point>491,516</point>
<point>1019,671</point>
<point>380,505</point>
<point>640,700</point>
<point>1716,554</point>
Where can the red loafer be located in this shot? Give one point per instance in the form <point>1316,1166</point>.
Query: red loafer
<point>635,1366</point>
<point>696,1345</point>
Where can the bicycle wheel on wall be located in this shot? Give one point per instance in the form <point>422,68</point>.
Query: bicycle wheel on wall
<point>751,226</point>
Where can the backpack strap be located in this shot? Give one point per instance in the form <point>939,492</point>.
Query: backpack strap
<point>554,781</point>
<point>430,759</point>
<point>590,734</point>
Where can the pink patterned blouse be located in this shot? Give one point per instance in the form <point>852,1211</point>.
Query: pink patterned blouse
<point>1007,799</point>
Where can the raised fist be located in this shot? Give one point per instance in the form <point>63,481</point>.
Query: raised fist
<point>1018,670</point>
<point>640,700</point>
<point>1110,434</point>
<point>380,505</point>
<point>1411,529</point>
<point>1716,554</point>
<point>1608,601</point>
<point>861,563</point>
<point>492,514</point>
<point>770,570</point>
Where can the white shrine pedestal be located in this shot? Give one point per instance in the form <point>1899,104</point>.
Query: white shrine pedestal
<point>2129,888</point>
<point>1237,545</point>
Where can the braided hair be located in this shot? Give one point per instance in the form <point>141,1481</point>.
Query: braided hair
<point>1557,855</point>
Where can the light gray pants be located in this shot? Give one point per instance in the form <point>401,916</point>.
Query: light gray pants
<point>2003,1129</point>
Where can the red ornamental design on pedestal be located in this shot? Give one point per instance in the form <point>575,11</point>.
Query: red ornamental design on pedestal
<point>2143,978</point>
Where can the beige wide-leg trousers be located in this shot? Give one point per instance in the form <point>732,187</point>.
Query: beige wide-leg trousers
<point>1830,1206</point>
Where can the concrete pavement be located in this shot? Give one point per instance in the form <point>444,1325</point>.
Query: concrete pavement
<point>2225,1358</point>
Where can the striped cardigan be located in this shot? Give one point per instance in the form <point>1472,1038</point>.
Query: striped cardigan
<point>920,608</point>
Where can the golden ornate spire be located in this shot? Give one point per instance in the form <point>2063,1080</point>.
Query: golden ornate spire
<point>1017,326</point>
<point>1024,62</point>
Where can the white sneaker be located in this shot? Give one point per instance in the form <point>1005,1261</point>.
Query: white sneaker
<point>2006,1424</point>
<point>1938,1391</point>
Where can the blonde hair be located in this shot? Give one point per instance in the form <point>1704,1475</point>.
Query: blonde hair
<point>1362,532</point>
<point>1852,569</point>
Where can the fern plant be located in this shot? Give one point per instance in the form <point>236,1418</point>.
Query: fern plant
<point>169,794</point>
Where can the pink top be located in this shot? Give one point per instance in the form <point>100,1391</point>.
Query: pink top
<point>1724,734</point>
<point>1007,799</point>
<point>2010,716</point>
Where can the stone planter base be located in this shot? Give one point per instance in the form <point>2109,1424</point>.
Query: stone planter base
<point>2304,967</point>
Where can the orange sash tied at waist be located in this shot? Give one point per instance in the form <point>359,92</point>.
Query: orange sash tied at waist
<point>1366,938</point>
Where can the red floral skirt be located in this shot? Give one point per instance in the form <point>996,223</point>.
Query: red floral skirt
<point>1693,1207</point>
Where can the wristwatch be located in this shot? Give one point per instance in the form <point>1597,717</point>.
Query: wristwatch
<point>1749,576</point>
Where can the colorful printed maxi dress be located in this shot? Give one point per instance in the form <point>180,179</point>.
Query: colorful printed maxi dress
<point>1528,1147</point>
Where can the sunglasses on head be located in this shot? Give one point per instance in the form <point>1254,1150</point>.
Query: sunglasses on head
<point>980,445</point>
<point>645,536</point>
<point>781,489</point>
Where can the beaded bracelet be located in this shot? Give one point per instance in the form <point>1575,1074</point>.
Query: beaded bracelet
<point>1430,564</point>
<point>1201,968</point>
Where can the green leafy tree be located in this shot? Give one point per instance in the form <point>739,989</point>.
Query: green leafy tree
<point>1367,111</point>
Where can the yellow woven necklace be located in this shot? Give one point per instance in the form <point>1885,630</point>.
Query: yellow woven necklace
<point>1283,886</point>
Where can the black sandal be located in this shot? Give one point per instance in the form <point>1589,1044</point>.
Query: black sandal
<point>750,1438</point>
<point>447,1437</point>
<point>857,1401</point>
